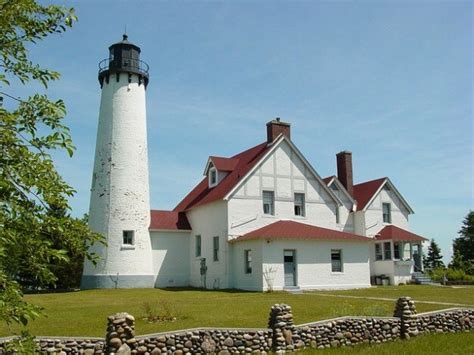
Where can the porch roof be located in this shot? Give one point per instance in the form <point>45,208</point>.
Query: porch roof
<point>398,234</point>
<point>299,231</point>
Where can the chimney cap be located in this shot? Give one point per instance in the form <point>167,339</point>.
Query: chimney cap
<point>278,121</point>
<point>344,152</point>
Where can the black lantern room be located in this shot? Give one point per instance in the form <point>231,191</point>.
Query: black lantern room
<point>124,57</point>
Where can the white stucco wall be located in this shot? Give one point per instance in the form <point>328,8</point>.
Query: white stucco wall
<point>374,217</point>
<point>284,173</point>
<point>313,261</point>
<point>346,218</point>
<point>120,191</point>
<point>241,280</point>
<point>209,220</point>
<point>170,250</point>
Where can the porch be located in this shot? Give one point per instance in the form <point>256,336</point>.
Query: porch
<point>397,254</point>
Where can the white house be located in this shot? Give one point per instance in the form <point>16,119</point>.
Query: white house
<point>261,219</point>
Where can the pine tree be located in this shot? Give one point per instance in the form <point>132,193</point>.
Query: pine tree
<point>434,259</point>
<point>463,246</point>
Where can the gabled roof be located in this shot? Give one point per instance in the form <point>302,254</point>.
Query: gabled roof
<point>299,231</point>
<point>221,164</point>
<point>245,163</point>
<point>398,234</point>
<point>334,180</point>
<point>169,220</point>
<point>224,164</point>
<point>365,192</point>
<point>202,194</point>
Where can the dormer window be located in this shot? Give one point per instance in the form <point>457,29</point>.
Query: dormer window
<point>212,177</point>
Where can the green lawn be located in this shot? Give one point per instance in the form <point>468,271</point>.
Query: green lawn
<point>433,344</point>
<point>84,313</point>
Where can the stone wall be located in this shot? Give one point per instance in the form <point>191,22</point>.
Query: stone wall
<point>280,336</point>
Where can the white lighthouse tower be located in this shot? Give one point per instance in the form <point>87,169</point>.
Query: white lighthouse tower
<point>119,205</point>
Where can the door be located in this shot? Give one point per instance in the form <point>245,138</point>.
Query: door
<point>289,261</point>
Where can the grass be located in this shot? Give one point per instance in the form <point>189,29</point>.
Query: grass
<point>453,344</point>
<point>84,313</point>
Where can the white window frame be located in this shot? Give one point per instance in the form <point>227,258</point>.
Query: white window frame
<point>215,248</point>
<point>248,261</point>
<point>128,237</point>
<point>213,172</point>
<point>387,250</point>
<point>271,209</point>
<point>378,251</point>
<point>334,267</point>
<point>387,217</point>
<point>197,245</point>
<point>300,204</point>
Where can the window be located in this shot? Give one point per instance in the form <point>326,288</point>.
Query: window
<point>248,261</point>
<point>387,217</point>
<point>127,237</point>
<point>337,215</point>
<point>334,187</point>
<point>387,249</point>
<point>299,205</point>
<point>215,248</point>
<point>336,261</point>
<point>198,245</point>
<point>378,251</point>
<point>212,177</point>
<point>396,250</point>
<point>268,203</point>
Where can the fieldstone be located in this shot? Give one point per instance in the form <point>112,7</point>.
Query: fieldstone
<point>115,343</point>
<point>123,350</point>
<point>208,345</point>
<point>188,344</point>
<point>155,351</point>
<point>335,343</point>
<point>288,336</point>
<point>228,342</point>
<point>161,339</point>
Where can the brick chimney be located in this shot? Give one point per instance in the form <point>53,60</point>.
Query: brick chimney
<point>275,127</point>
<point>344,170</point>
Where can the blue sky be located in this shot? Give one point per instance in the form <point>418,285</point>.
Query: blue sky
<point>389,81</point>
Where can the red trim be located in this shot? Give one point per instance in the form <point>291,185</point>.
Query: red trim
<point>171,220</point>
<point>202,194</point>
<point>364,192</point>
<point>398,234</point>
<point>299,231</point>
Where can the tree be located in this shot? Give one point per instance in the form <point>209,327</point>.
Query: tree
<point>463,246</point>
<point>434,259</point>
<point>33,235</point>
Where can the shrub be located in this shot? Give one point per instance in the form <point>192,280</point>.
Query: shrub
<point>451,275</point>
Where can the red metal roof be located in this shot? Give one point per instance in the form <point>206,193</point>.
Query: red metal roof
<point>365,191</point>
<point>172,220</point>
<point>398,234</point>
<point>202,194</point>
<point>224,164</point>
<point>299,231</point>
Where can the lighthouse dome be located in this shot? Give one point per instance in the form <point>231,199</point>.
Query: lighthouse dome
<point>124,57</point>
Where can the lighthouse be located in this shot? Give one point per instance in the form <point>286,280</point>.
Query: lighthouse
<point>120,201</point>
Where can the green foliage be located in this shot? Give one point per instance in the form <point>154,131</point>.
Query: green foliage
<point>24,344</point>
<point>34,237</point>
<point>451,275</point>
<point>463,246</point>
<point>434,259</point>
<point>162,311</point>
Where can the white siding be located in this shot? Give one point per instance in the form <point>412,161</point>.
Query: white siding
<point>313,259</point>
<point>170,261</point>
<point>254,280</point>
<point>373,214</point>
<point>284,173</point>
<point>208,221</point>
